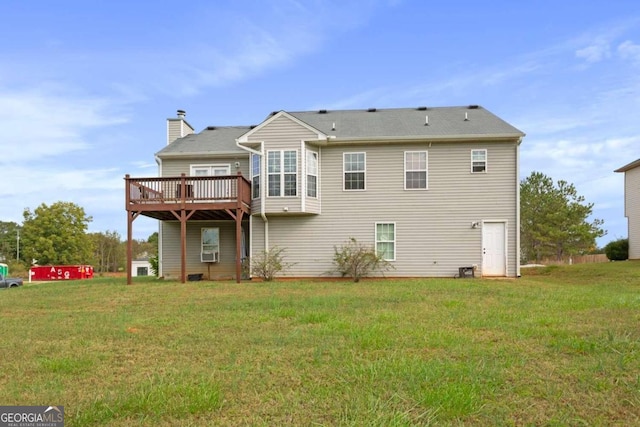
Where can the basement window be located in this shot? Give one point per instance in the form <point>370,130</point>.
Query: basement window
<point>210,244</point>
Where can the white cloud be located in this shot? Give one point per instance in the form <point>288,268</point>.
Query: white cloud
<point>38,123</point>
<point>595,53</point>
<point>629,50</point>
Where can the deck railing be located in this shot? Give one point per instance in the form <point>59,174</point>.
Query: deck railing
<point>188,189</point>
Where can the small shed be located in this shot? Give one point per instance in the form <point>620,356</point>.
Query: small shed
<point>141,267</point>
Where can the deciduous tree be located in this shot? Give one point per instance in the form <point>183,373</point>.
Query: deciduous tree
<point>108,251</point>
<point>554,219</point>
<point>8,240</point>
<point>57,234</point>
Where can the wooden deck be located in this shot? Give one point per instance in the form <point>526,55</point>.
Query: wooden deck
<point>187,198</point>
<point>209,197</point>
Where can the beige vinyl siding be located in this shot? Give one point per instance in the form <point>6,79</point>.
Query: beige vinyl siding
<point>171,249</point>
<point>177,128</point>
<point>632,210</point>
<point>433,227</point>
<point>176,167</point>
<point>282,134</point>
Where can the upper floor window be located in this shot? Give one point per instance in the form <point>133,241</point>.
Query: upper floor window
<point>415,170</point>
<point>312,174</point>
<point>478,161</point>
<point>386,240</point>
<point>282,173</point>
<point>354,167</point>
<point>210,170</point>
<point>255,176</point>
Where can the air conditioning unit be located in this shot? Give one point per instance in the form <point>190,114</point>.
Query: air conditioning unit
<point>209,257</point>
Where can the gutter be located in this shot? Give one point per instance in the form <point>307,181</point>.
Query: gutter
<point>333,140</point>
<point>262,188</point>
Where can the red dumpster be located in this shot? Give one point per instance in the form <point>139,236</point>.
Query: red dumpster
<point>61,272</point>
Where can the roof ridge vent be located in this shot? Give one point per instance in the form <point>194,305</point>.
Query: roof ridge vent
<point>211,128</point>
<point>473,107</point>
<point>422,108</point>
<point>372,110</point>
<point>322,111</point>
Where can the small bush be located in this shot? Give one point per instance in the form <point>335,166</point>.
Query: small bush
<point>617,250</point>
<point>356,260</point>
<point>153,261</point>
<point>269,263</point>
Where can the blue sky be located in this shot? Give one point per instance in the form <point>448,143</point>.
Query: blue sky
<point>86,87</point>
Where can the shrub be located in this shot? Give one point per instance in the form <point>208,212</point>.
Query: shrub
<point>269,263</point>
<point>357,260</point>
<point>617,250</point>
<point>153,261</point>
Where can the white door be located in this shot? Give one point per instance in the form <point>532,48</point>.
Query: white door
<point>494,249</point>
<point>210,190</point>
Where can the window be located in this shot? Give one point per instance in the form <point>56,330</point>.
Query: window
<point>478,161</point>
<point>210,170</point>
<point>210,244</point>
<point>354,171</point>
<point>415,170</point>
<point>255,176</point>
<point>282,172</point>
<point>312,174</point>
<point>386,240</point>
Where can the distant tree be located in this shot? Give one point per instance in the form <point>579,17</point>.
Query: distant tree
<point>8,240</point>
<point>554,219</point>
<point>107,251</point>
<point>56,234</point>
<point>153,240</point>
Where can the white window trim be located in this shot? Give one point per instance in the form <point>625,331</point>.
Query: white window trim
<point>282,174</point>
<point>308,173</point>
<point>426,170</point>
<point>251,160</point>
<point>486,160</point>
<point>210,166</point>
<point>395,238</point>
<point>202,251</point>
<point>344,172</point>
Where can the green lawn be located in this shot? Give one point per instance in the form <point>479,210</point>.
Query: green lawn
<point>559,346</point>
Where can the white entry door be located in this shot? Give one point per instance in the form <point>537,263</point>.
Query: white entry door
<point>494,249</point>
<point>211,190</point>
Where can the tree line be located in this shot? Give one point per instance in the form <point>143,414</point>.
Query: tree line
<point>57,234</point>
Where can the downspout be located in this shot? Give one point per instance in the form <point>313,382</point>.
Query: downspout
<point>160,223</point>
<point>262,189</point>
<point>518,207</point>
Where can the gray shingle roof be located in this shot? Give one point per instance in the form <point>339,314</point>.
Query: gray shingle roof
<point>408,122</point>
<point>218,139</point>
<point>360,124</point>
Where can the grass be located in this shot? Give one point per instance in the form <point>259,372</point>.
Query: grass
<point>559,346</point>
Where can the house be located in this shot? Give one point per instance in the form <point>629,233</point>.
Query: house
<point>141,267</point>
<point>632,205</point>
<point>432,189</point>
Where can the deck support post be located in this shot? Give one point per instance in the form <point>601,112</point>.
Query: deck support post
<point>238,245</point>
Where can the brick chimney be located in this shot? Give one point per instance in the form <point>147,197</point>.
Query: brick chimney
<point>178,127</point>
